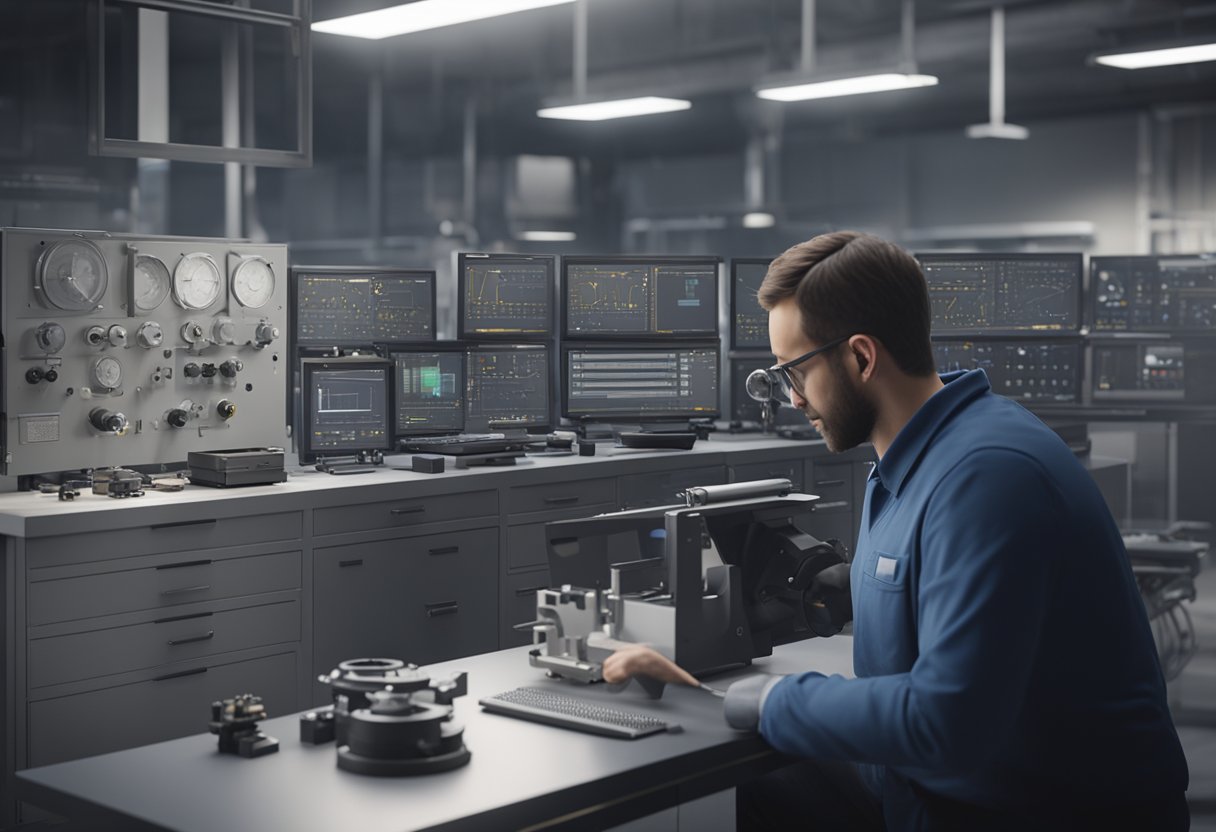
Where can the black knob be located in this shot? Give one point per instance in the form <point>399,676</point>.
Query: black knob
<point>226,409</point>
<point>231,367</point>
<point>192,370</point>
<point>177,417</point>
<point>33,375</point>
<point>208,370</point>
<point>51,375</point>
<point>107,421</point>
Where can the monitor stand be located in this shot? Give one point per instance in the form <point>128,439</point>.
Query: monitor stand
<point>363,462</point>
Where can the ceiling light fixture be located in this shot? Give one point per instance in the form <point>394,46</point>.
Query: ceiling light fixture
<point>1164,56</point>
<point>547,236</point>
<point>996,127</point>
<point>618,108</point>
<point>759,219</point>
<point>422,15</point>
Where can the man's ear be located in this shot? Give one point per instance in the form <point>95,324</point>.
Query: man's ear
<point>864,351</point>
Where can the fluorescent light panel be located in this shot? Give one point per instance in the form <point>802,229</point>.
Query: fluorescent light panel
<point>1171,56</point>
<point>548,236</point>
<point>759,219</point>
<point>422,15</point>
<point>857,85</point>
<point>620,108</point>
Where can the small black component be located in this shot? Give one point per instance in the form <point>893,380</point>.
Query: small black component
<point>209,370</point>
<point>192,370</point>
<point>34,375</point>
<point>226,409</point>
<point>107,421</point>
<point>231,367</point>
<point>586,448</point>
<point>51,374</point>
<point>118,482</point>
<point>317,726</point>
<point>236,722</point>
<point>178,417</point>
<point>668,441</point>
<point>240,466</point>
<point>428,463</point>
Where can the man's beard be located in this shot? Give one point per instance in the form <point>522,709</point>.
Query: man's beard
<point>849,418</point>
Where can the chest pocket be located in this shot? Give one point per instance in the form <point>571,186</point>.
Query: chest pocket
<point>884,628</point>
<point>887,571</point>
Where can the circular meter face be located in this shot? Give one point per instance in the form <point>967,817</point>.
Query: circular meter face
<point>151,282</point>
<point>253,282</point>
<point>196,281</point>
<point>107,372</point>
<point>73,275</point>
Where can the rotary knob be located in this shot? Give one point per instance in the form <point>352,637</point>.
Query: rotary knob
<point>223,331</point>
<point>178,417</point>
<point>49,337</point>
<point>95,336</point>
<point>107,421</point>
<point>117,336</point>
<point>193,332</point>
<point>150,335</point>
<point>226,409</point>
<point>192,370</point>
<point>266,333</point>
<point>208,370</point>
<point>231,367</point>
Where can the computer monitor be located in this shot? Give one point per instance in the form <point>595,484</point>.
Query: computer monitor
<point>429,390</point>
<point>743,408</point>
<point>505,296</point>
<point>508,387</point>
<point>1162,371</point>
<point>334,306</point>
<point>1175,293</point>
<point>347,406</point>
<point>749,322</point>
<point>640,382</point>
<point>639,297</point>
<point>1003,294</point>
<point>1038,372</point>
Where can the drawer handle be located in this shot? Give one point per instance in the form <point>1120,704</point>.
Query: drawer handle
<point>829,483</point>
<point>837,504</point>
<point>556,501</point>
<point>397,512</point>
<point>442,608</point>
<point>209,521</point>
<point>195,672</point>
<point>184,564</point>
<point>183,617</point>
<point>176,641</point>
<point>529,590</point>
<point>342,564</point>
<point>444,550</point>
<point>183,590</point>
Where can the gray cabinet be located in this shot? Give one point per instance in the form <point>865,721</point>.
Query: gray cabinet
<point>666,487</point>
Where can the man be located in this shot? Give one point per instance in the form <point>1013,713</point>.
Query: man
<point>1006,673</point>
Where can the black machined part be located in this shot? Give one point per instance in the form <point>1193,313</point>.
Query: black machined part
<point>403,734</point>
<point>317,727</point>
<point>353,681</point>
<point>235,721</point>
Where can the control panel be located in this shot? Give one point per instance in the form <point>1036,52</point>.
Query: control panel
<point>1153,294</point>
<point>134,350</point>
<point>1027,371</point>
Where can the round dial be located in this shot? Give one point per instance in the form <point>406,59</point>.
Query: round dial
<point>152,282</point>
<point>253,282</point>
<point>196,281</point>
<point>72,275</point>
<point>107,372</point>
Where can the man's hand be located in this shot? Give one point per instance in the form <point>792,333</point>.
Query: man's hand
<point>638,660</point>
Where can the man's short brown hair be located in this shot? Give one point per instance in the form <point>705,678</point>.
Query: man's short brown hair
<point>849,283</point>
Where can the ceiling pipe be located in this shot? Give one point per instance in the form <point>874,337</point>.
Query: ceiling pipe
<point>996,128</point>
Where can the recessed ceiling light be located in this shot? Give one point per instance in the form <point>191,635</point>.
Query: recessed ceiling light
<point>759,219</point>
<point>422,15</point>
<point>857,85</point>
<point>547,236</point>
<point>619,108</point>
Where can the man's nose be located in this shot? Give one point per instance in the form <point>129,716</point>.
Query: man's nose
<point>798,400</point>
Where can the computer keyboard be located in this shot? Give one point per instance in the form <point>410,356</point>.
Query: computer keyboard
<point>539,705</point>
<point>463,443</point>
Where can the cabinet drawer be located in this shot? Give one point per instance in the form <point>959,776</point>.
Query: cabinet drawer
<point>178,581</point>
<point>208,533</point>
<point>415,511</point>
<point>833,482</point>
<point>172,706</point>
<point>526,546</point>
<point>558,495</point>
<point>777,469</point>
<point>96,653</point>
<point>666,487</point>
<point>518,606</point>
<point>417,599</point>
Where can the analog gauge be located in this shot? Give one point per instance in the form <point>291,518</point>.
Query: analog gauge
<point>196,281</point>
<point>253,282</point>
<point>72,275</point>
<point>107,372</point>
<point>152,282</point>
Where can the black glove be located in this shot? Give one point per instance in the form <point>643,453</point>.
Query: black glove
<point>829,601</point>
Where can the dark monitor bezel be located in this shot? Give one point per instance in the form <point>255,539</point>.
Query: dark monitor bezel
<point>308,365</point>
<point>293,302</point>
<point>633,259</point>
<point>510,337</point>
<point>1148,398</point>
<point>1091,310</point>
<point>924,258</point>
<point>734,264</point>
<point>1080,375</point>
<point>471,348</point>
<point>568,347</point>
<point>438,346</point>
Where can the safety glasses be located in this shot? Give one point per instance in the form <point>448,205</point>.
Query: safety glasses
<point>781,380</point>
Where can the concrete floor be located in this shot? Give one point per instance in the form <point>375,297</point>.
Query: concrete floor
<point>1193,699</point>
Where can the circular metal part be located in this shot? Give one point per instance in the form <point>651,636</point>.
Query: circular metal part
<point>226,409</point>
<point>178,417</point>
<point>193,332</point>
<point>196,281</point>
<point>223,330</point>
<point>253,282</point>
<point>231,367</point>
<point>72,275</point>
<point>152,282</point>
<point>95,336</point>
<point>107,421</point>
<point>117,336</point>
<point>49,337</point>
<point>266,333</point>
<point>150,335</point>
<point>107,372</point>
<point>33,375</point>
